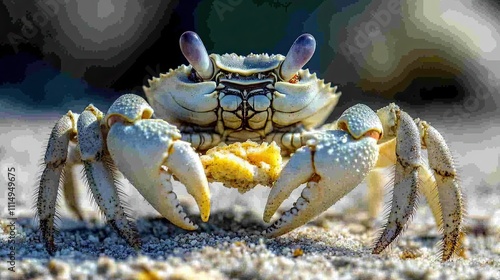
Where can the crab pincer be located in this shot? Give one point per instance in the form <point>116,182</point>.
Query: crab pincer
<point>148,152</point>
<point>332,163</point>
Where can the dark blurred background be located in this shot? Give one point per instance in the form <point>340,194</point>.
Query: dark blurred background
<point>60,54</point>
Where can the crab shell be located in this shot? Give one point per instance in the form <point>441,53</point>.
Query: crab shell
<point>181,101</point>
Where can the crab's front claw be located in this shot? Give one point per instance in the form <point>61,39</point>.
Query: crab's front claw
<point>331,165</point>
<point>148,152</point>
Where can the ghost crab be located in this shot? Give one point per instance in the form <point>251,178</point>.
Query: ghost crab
<point>230,98</point>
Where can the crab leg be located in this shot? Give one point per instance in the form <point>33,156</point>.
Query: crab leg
<point>450,197</point>
<point>406,180</point>
<point>148,151</point>
<point>55,158</point>
<point>69,185</point>
<point>332,164</point>
<point>376,182</point>
<point>439,186</point>
<point>100,174</point>
<point>432,195</point>
<point>377,179</point>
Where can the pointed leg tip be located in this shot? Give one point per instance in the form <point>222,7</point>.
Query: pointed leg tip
<point>380,245</point>
<point>46,227</point>
<point>452,245</point>
<point>454,249</point>
<point>445,258</point>
<point>127,231</point>
<point>447,252</point>
<point>377,250</point>
<point>384,241</point>
<point>137,245</point>
<point>51,248</point>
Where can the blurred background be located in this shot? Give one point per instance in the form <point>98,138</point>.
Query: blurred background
<point>439,60</point>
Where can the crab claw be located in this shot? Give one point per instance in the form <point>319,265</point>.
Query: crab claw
<point>148,152</point>
<point>332,164</point>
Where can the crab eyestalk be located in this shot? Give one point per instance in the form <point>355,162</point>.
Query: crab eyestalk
<point>195,52</point>
<point>299,54</point>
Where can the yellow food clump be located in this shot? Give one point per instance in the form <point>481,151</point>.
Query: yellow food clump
<point>243,165</point>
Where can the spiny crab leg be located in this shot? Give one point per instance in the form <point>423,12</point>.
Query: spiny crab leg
<point>148,152</point>
<point>406,180</point>
<point>332,164</point>
<point>55,158</point>
<point>100,174</point>
<point>440,186</point>
<point>449,193</point>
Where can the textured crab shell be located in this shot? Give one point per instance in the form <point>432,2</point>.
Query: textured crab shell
<point>178,100</point>
<point>309,101</point>
<point>247,65</point>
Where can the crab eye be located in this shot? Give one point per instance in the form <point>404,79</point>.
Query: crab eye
<point>195,52</point>
<point>299,54</point>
